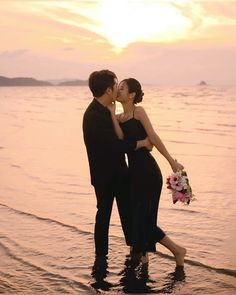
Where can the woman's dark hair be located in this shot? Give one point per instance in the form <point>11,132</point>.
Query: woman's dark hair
<point>99,81</point>
<point>135,86</point>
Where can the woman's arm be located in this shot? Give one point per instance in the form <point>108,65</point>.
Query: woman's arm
<point>116,125</point>
<point>140,143</point>
<point>141,115</point>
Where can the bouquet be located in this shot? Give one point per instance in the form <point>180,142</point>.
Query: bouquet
<point>178,184</point>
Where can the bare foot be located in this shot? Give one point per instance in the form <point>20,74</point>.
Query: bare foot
<point>179,256</point>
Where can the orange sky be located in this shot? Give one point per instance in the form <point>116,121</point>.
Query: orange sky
<point>160,42</point>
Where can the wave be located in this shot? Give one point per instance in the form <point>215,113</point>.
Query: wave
<point>49,220</point>
<point>220,132</point>
<point>206,155</point>
<point>225,271</point>
<point>185,210</point>
<point>71,193</point>
<point>227,125</point>
<point>205,144</point>
<point>46,273</point>
<point>226,112</point>
<point>79,179</point>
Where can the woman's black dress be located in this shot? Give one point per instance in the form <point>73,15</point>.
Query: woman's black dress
<point>145,191</point>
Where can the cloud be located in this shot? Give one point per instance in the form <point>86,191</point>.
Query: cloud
<point>68,49</point>
<point>14,53</point>
<point>55,39</point>
<point>170,65</point>
<point>44,67</point>
<point>221,10</point>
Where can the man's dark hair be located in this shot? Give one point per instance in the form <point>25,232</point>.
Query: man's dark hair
<point>99,81</point>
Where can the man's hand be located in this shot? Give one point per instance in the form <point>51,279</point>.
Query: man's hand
<point>144,143</point>
<point>149,145</point>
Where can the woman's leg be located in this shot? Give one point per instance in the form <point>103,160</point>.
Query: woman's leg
<point>178,251</point>
<point>159,235</point>
<point>140,232</point>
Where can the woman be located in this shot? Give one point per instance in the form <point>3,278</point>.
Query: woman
<point>145,174</point>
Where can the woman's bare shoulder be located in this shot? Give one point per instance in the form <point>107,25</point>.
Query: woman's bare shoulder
<point>139,111</point>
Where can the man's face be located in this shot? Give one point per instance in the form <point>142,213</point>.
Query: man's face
<point>115,90</point>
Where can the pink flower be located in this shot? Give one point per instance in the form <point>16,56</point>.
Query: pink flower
<point>178,187</point>
<point>177,196</point>
<point>173,179</point>
<point>178,184</point>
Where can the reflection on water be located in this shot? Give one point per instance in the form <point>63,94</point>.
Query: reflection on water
<point>134,278</point>
<point>99,273</point>
<point>173,280</point>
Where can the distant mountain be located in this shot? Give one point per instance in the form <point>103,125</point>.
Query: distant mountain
<point>73,83</point>
<point>20,81</point>
<point>202,83</point>
<point>57,81</point>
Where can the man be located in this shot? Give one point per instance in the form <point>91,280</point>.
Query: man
<point>106,156</point>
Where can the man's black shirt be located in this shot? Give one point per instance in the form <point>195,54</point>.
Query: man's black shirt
<point>106,153</point>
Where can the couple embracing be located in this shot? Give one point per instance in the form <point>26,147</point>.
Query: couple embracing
<point>136,187</point>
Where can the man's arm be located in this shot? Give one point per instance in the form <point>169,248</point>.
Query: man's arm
<point>144,143</point>
<point>100,131</point>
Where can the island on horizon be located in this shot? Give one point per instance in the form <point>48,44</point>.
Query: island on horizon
<point>202,83</point>
<point>25,81</point>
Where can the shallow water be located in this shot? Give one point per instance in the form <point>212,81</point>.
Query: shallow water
<point>47,205</point>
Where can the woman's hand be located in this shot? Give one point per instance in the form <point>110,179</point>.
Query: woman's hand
<point>112,108</point>
<point>176,166</point>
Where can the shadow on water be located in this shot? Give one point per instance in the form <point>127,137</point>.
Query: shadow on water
<point>99,274</point>
<point>173,280</point>
<point>134,278</point>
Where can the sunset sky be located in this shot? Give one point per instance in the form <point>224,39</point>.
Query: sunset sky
<point>158,42</point>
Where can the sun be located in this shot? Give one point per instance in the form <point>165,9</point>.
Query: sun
<point>126,22</point>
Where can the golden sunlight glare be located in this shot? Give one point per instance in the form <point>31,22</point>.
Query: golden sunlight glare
<point>134,21</point>
<point>128,21</point>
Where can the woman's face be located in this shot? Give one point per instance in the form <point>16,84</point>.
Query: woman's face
<point>123,92</point>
